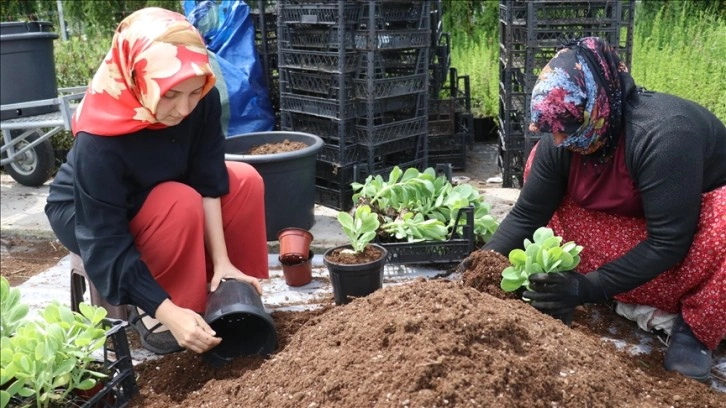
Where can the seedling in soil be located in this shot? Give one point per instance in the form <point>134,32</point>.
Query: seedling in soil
<point>545,254</point>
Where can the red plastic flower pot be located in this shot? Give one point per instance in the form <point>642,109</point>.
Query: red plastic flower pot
<point>294,245</point>
<point>300,273</point>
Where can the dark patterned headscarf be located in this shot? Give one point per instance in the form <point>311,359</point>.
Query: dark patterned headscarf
<point>579,93</point>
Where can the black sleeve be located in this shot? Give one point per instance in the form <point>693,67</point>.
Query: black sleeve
<point>207,172</point>
<point>541,195</point>
<point>666,160</point>
<point>107,246</point>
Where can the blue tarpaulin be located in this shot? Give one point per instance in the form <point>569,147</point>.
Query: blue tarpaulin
<point>229,34</point>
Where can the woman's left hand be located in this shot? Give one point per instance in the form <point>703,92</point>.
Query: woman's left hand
<point>229,271</point>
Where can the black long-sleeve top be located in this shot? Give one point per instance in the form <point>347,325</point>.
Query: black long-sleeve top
<point>675,151</point>
<point>108,179</point>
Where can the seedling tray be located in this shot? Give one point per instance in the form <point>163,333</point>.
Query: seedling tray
<point>122,386</point>
<point>458,247</point>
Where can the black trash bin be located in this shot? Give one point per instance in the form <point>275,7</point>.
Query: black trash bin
<point>27,66</point>
<point>289,177</point>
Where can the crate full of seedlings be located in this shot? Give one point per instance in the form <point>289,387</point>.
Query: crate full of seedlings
<point>424,218</point>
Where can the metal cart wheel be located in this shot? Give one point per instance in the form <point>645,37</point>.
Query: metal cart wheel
<point>35,166</point>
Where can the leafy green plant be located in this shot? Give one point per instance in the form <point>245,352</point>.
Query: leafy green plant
<point>360,228</point>
<point>414,205</point>
<point>545,254</point>
<point>45,359</point>
<point>412,227</point>
<point>13,312</point>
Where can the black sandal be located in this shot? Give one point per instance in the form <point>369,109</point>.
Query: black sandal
<point>159,343</point>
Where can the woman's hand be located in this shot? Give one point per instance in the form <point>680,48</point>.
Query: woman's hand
<point>188,327</point>
<point>228,271</point>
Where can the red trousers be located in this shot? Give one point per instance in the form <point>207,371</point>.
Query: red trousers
<point>695,287</point>
<point>169,234</point>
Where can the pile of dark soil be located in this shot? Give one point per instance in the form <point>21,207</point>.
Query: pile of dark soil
<point>425,344</point>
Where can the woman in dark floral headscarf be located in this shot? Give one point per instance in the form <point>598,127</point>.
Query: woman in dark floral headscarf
<point>146,198</point>
<point>638,179</point>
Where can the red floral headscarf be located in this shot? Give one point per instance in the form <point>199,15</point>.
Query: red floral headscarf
<point>579,93</point>
<point>152,51</point>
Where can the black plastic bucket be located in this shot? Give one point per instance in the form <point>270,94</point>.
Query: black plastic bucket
<point>289,177</point>
<point>236,313</point>
<point>27,66</point>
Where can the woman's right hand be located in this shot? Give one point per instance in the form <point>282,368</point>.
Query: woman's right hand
<point>188,327</point>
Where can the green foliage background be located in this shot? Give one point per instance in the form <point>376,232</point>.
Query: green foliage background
<point>679,46</point>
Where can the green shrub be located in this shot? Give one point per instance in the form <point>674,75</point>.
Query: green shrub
<point>76,60</point>
<point>680,51</point>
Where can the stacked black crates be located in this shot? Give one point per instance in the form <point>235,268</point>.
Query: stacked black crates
<point>530,33</point>
<point>440,54</point>
<point>451,129</point>
<point>356,73</point>
<point>450,119</point>
<point>264,15</point>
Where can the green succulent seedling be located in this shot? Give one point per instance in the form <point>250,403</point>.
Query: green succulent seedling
<point>47,357</point>
<point>545,254</point>
<point>432,199</point>
<point>11,309</point>
<point>360,228</point>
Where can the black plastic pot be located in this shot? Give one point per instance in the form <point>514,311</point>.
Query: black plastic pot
<point>236,313</point>
<point>289,177</point>
<point>355,280</point>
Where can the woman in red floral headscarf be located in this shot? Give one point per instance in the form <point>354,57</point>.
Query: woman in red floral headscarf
<point>638,179</point>
<point>146,197</point>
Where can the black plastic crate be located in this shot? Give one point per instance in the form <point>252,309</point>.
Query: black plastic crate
<point>512,164</point>
<point>440,64</point>
<point>574,12</point>
<point>327,108</point>
<point>457,160</point>
<point>332,131</point>
<point>447,143</point>
<point>341,155</point>
<point>511,123</point>
<point>318,84</point>
<point>391,128</point>
<point>329,196</point>
<point>512,141</point>
<point>412,105</point>
<point>458,247</point>
<point>386,64</point>
<point>319,61</point>
<point>392,39</point>
<point>441,125</point>
<point>410,147</point>
<point>318,12</point>
<point>336,176</point>
<point>121,387</point>
<point>390,87</point>
<point>321,39</point>
<point>398,14</point>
